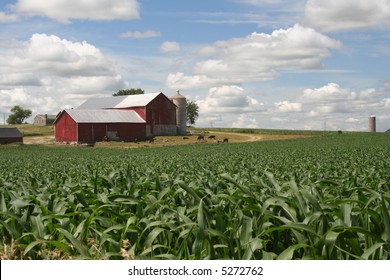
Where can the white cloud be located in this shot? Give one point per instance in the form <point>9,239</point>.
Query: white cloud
<point>343,108</point>
<point>168,47</point>
<point>332,99</point>
<point>14,79</point>
<point>352,120</point>
<point>386,102</point>
<point>8,17</point>
<point>330,107</point>
<point>257,57</point>
<point>56,56</point>
<point>51,73</point>
<point>20,96</point>
<point>287,106</point>
<point>140,34</point>
<point>345,15</point>
<point>331,92</point>
<point>280,120</point>
<point>245,121</point>
<point>65,11</point>
<point>228,99</point>
<point>181,81</point>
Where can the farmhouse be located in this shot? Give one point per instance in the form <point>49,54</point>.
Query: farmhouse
<point>44,119</point>
<point>121,118</point>
<point>10,135</point>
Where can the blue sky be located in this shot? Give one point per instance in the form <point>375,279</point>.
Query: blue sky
<point>306,64</point>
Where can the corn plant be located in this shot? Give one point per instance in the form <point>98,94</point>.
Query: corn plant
<point>319,198</point>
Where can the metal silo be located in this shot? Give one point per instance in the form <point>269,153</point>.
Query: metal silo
<point>372,124</point>
<point>181,112</point>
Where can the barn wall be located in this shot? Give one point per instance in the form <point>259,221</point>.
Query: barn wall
<point>161,111</point>
<point>65,129</point>
<point>10,140</point>
<point>140,110</point>
<point>95,132</point>
<point>148,131</point>
<point>164,129</point>
<point>161,116</point>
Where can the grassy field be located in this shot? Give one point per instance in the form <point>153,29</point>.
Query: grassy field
<point>34,130</point>
<point>324,197</point>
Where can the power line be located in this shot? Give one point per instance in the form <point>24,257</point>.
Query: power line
<point>4,114</point>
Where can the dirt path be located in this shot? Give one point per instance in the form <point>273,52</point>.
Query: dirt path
<point>39,140</point>
<point>238,137</point>
<point>233,137</point>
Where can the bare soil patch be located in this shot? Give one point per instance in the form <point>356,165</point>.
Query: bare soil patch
<point>210,137</point>
<point>39,140</point>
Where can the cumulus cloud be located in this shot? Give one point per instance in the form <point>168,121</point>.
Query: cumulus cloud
<point>343,108</point>
<point>332,99</point>
<point>346,15</point>
<point>168,47</point>
<point>229,104</point>
<point>140,34</point>
<point>15,79</point>
<point>228,99</point>
<point>51,73</point>
<point>246,121</point>
<point>51,54</point>
<point>65,11</point>
<point>20,96</point>
<point>287,106</point>
<point>330,107</point>
<point>332,92</point>
<point>257,57</point>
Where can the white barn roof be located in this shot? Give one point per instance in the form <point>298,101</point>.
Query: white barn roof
<point>118,102</point>
<point>105,116</point>
<point>137,100</point>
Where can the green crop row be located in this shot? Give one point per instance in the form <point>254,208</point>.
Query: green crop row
<point>319,198</point>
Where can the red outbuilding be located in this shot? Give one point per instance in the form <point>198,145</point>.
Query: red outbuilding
<point>122,118</point>
<point>10,135</point>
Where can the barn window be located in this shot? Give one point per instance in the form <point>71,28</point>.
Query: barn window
<point>112,135</point>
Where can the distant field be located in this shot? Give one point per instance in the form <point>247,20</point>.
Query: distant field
<point>44,135</point>
<point>270,131</point>
<point>325,197</point>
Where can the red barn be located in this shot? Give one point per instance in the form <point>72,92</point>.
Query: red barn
<point>123,118</point>
<point>10,135</point>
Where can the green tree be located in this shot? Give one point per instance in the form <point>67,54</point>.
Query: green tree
<point>18,115</point>
<point>131,91</point>
<point>192,112</point>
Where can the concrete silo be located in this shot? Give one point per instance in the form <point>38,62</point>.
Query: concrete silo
<point>372,124</point>
<point>181,112</point>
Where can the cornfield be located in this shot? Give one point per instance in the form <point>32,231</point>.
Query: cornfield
<point>321,198</point>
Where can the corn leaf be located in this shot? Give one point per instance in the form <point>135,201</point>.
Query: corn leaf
<point>76,243</point>
<point>152,236</point>
<point>289,252</point>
